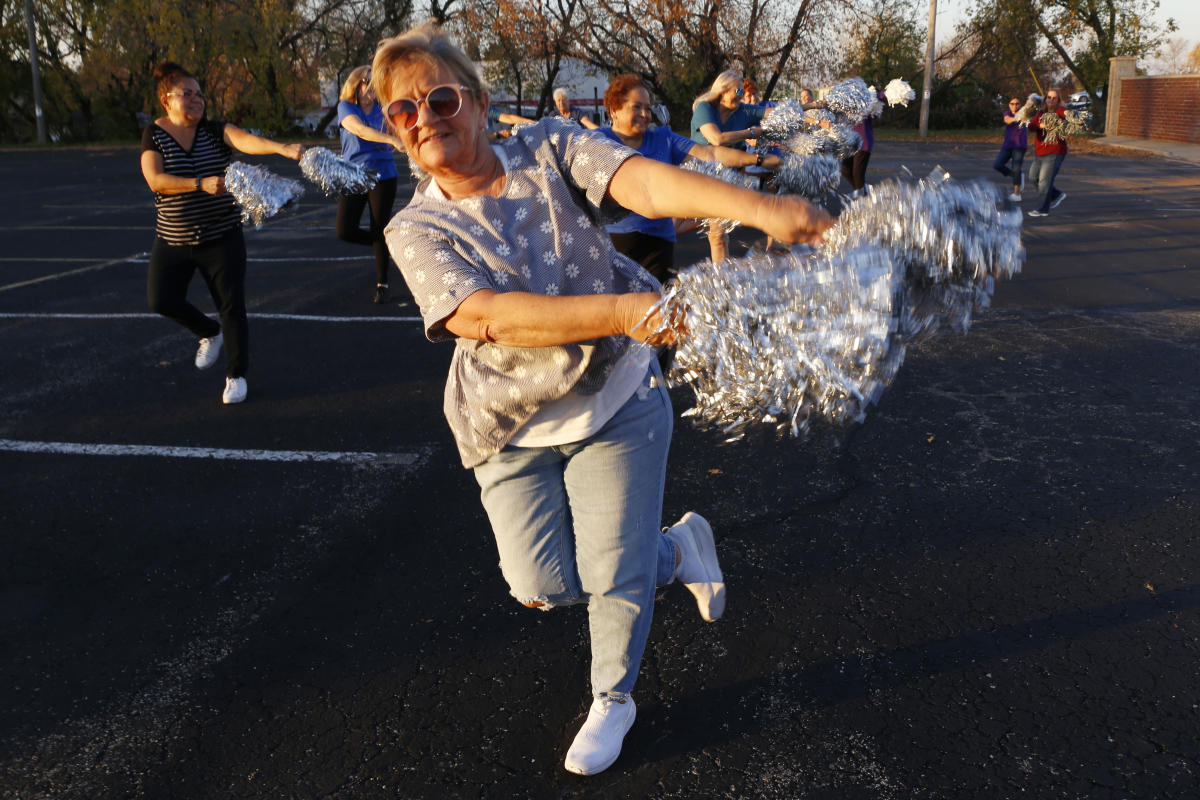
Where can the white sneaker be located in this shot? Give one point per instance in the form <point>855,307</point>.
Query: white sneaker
<point>698,569</point>
<point>208,351</point>
<point>1058,200</point>
<point>1016,198</point>
<point>235,391</point>
<point>598,742</point>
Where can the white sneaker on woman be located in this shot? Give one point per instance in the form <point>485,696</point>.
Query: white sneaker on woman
<point>207,352</point>
<point>235,391</point>
<point>598,742</point>
<point>698,568</point>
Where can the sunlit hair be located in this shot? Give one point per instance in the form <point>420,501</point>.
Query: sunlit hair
<point>350,87</point>
<point>168,75</point>
<point>750,86</point>
<point>425,44</point>
<point>561,92</point>
<point>729,79</point>
<point>619,89</point>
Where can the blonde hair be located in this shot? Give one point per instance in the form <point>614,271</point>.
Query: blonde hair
<point>729,79</point>
<point>424,44</point>
<point>350,87</point>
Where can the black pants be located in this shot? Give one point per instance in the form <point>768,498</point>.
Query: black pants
<point>854,169</point>
<point>654,253</point>
<point>379,200</point>
<point>223,265</point>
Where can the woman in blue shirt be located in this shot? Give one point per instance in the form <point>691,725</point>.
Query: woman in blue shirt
<point>365,141</point>
<point>651,242</point>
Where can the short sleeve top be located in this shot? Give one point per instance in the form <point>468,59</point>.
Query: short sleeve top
<point>743,117</point>
<point>374,155</point>
<point>1015,135</point>
<point>193,217</point>
<point>543,234</point>
<point>660,144</point>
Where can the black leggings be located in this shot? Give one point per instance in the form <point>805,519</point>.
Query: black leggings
<point>350,209</point>
<point>854,169</point>
<point>223,265</point>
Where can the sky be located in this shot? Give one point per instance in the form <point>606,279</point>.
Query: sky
<point>1185,12</point>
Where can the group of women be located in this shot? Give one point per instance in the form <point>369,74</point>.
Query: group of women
<point>539,257</point>
<point>1049,152</point>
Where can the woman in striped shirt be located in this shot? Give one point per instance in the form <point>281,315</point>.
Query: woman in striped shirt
<point>199,225</point>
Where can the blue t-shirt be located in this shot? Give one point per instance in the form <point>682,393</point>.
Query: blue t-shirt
<point>375,155</point>
<point>743,117</point>
<point>1015,135</point>
<point>660,144</point>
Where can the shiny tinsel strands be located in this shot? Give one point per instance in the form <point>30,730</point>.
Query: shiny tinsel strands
<point>334,175</point>
<point>786,339</point>
<point>260,192</point>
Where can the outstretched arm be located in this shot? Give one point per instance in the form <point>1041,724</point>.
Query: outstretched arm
<point>680,193</point>
<point>255,145</point>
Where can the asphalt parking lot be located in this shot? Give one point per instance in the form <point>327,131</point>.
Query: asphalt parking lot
<point>987,590</point>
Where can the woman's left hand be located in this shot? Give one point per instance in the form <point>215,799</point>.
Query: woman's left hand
<point>792,219</point>
<point>772,162</point>
<point>292,151</point>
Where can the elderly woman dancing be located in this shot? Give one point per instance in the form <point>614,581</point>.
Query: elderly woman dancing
<point>565,424</point>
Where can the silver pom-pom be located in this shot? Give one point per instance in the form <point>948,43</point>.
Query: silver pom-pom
<point>1027,112</point>
<point>785,120</point>
<point>260,192</point>
<point>949,240</point>
<point>1072,123</point>
<point>734,177</point>
<point>899,93</point>
<point>784,339</point>
<point>816,116</point>
<point>811,176</point>
<point>851,99</point>
<point>839,141</point>
<point>788,339</point>
<point>335,176</point>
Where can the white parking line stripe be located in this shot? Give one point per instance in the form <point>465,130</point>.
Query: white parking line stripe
<point>68,273</point>
<point>251,315</point>
<point>79,448</point>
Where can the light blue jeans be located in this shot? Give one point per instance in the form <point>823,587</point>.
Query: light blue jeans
<point>580,522</point>
<point>1042,173</point>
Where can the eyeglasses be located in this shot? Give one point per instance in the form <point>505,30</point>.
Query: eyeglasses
<point>187,94</point>
<point>740,92</point>
<point>445,101</point>
<point>1015,103</point>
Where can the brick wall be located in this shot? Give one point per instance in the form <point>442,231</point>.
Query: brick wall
<point>1161,107</point>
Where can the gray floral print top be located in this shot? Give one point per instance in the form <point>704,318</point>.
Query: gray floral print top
<point>543,234</point>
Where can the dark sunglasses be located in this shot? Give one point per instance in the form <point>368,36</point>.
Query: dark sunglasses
<point>445,101</point>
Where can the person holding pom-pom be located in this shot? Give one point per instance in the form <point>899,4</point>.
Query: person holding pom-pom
<point>1012,148</point>
<point>1049,148</point>
<point>366,141</point>
<point>199,224</point>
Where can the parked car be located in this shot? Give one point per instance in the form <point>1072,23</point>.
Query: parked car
<point>1079,100</point>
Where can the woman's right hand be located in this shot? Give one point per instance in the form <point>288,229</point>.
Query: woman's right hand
<point>631,311</point>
